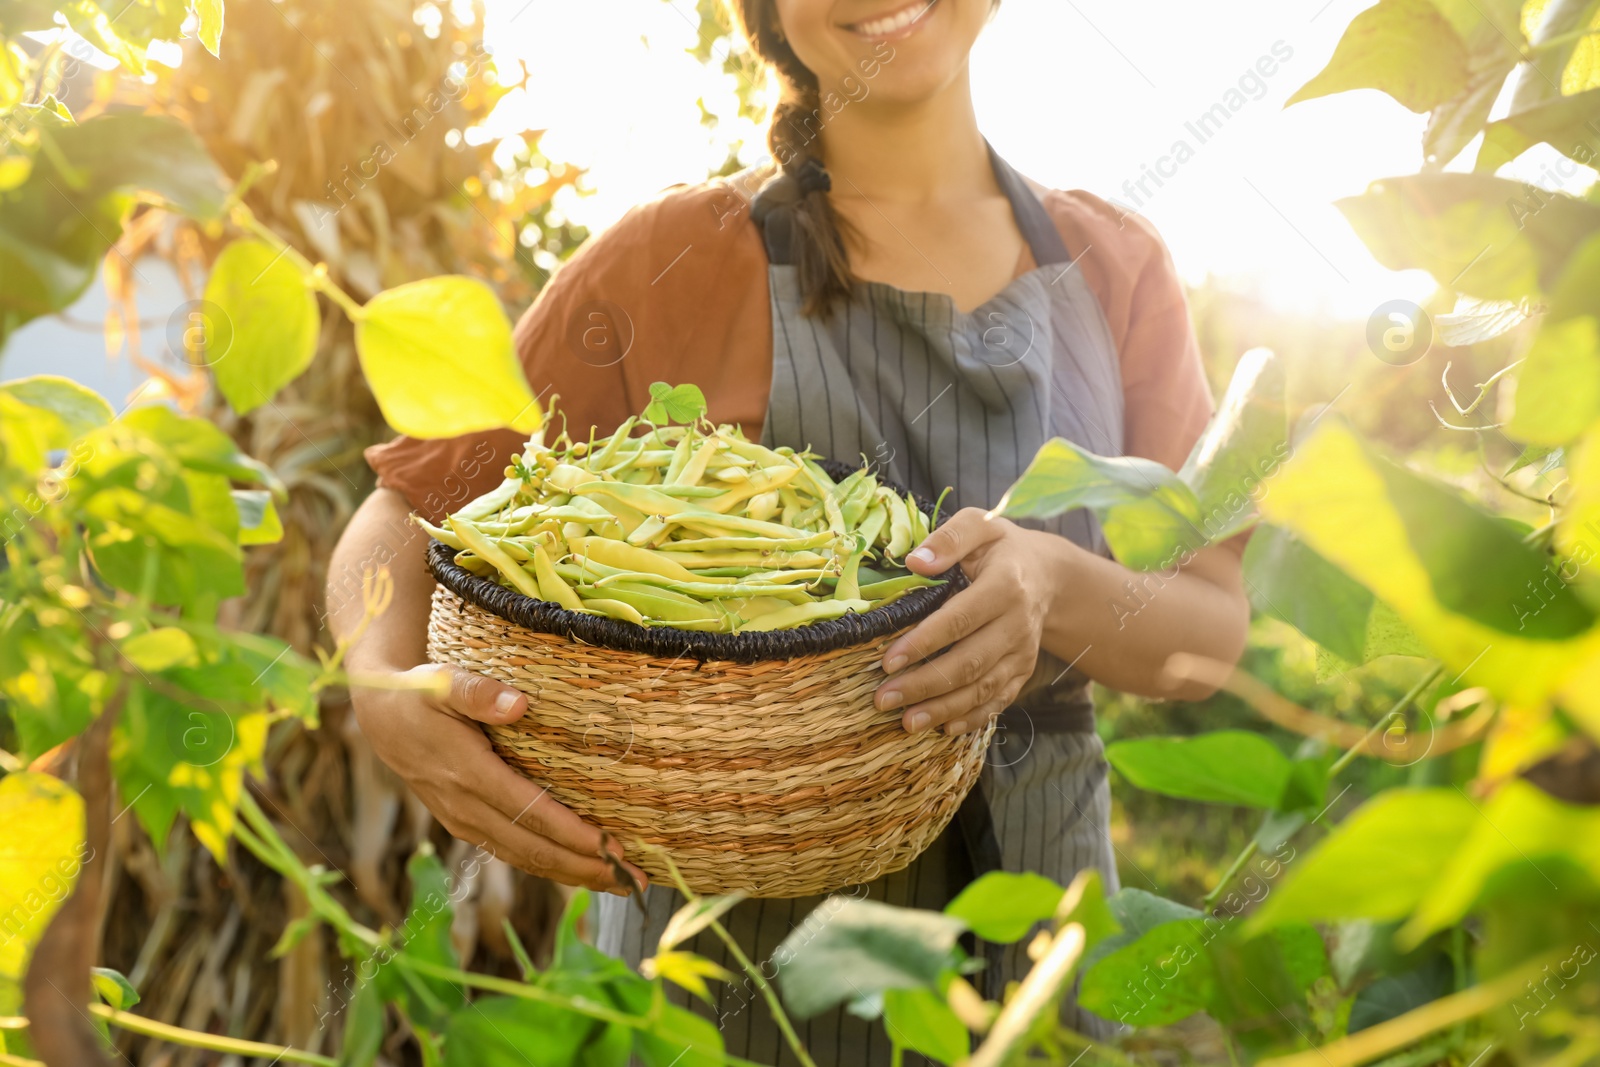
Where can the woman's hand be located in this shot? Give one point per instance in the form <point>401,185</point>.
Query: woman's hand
<point>424,724</point>
<point>994,626</point>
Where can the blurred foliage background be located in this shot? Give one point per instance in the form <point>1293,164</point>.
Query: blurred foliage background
<point>280,116</point>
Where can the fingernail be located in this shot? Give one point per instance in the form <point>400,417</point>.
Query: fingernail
<point>918,721</point>
<point>959,726</point>
<point>506,703</point>
<point>894,664</point>
<point>889,698</point>
<point>922,555</point>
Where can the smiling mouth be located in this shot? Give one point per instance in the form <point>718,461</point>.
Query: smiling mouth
<point>897,23</point>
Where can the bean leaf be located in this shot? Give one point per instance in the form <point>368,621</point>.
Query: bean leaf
<point>675,403</point>
<point>265,333</point>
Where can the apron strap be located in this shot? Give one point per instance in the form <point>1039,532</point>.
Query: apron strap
<point>772,210</point>
<point>1037,227</point>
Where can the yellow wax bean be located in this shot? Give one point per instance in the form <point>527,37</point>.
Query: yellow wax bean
<point>551,584</point>
<point>795,541</point>
<point>446,536</point>
<point>872,524</point>
<point>899,527</point>
<point>626,557</point>
<point>801,614</point>
<point>643,498</point>
<point>891,587</point>
<point>695,469</point>
<point>616,609</point>
<point>487,550</point>
<point>567,477</point>
<point>763,505</point>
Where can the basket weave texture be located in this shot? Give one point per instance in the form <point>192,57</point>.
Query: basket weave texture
<point>756,761</point>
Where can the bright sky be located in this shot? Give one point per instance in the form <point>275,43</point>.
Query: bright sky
<point>1075,93</point>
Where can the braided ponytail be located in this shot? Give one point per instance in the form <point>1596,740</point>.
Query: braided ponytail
<point>818,232</point>
<point>794,138</point>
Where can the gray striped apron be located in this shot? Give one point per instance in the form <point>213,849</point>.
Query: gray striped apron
<point>935,397</point>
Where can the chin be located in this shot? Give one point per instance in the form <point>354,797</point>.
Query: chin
<point>915,48</point>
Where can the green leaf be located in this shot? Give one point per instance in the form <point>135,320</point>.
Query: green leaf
<point>920,1020</point>
<point>1564,59</point>
<point>113,988</point>
<point>425,936</point>
<point>1475,321</point>
<point>694,917</point>
<point>1408,834</point>
<point>1267,977</point>
<point>160,650</point>
<point>363,1027</point>
<point>1491,30</point>
<point>1160,977</point>
<point>1289,581</point>
<point>1405,48</point>
<point>1135,912</point>
<point>1563,123</point>
<point>679,1038</point>
<point>41,414</point>
<point>1223,767</point>
<point>197,444</point>
<point>208,15</point>
<point>1149,516</point>
<point>258,517</point>
<point>1520,824</point>
<point>674,403</point>
<point>1393,995</point>
<point>512,1032</point>
<point>850,949</point>
<point>1458,576</point>
<point>439,358</point>
<point>1002,907</point>
<point>1558,388</point>
<point>1242,447</point>
<point>172,757</point>
<point>1486,237</point>
<point>41,853</point>
<point>266,327</point>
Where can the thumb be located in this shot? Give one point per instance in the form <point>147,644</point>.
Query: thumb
<point>966,531</point>
<point>476,696</point>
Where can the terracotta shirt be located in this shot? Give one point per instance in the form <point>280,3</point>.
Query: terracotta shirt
<point>676,291</point>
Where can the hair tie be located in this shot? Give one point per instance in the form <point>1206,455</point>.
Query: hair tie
<point>812,177</point>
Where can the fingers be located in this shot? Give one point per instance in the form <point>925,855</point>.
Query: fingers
<point>967,531</point>
<point>979,670</point>
<point>961,616</point>
<point>528,805</point>
<point>475,822</point>
<point>474,696</point>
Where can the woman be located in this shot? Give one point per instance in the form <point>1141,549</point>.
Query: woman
<point>897,291</point>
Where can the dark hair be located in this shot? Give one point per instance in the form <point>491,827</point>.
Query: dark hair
<point>818,233</point>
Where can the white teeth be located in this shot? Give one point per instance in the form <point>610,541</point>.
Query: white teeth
<point>898,20</point>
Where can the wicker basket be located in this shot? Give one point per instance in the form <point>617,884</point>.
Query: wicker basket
<point>756,761</point>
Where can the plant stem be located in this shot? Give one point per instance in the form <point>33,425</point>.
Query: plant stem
<point>1383,722</point>
<point>1234,868</point>
<point>316,274</point>
<point>768,994</point>
<point>1338,765</point>
<point>138,1024</point>
<point>576,1005</point>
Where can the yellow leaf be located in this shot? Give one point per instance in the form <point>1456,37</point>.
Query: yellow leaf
<point>41,851</point>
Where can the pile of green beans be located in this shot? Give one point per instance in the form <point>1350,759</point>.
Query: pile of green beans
<point>689,526</point>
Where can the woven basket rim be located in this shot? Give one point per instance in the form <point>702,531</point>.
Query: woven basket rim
<point>829,635</point>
